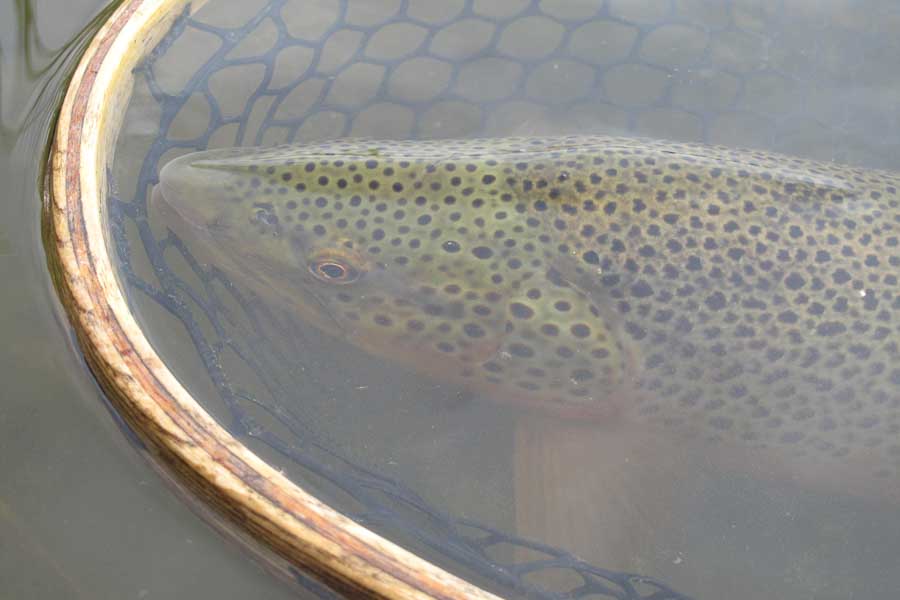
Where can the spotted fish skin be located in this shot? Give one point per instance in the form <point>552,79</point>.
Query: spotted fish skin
<point>734,294</point>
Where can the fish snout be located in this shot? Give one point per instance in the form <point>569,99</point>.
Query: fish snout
<point>193,195</point>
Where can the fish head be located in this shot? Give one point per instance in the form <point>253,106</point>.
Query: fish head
<point>366,247</point>
<point>217,204</point>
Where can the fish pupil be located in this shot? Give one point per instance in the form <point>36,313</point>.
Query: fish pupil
<point>332,270</point>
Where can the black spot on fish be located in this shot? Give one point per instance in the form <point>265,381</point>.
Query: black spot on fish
<point>582,375</point>
<point>521,350</point>
<point>473,330</point>
<point>716,301</point>
<point>521,311</point>
<point>830,328</point>
<point>580,330</point>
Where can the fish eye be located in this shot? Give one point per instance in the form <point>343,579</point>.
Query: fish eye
<point>332,270</point>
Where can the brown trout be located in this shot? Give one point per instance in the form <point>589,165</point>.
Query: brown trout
<point>734,295</point>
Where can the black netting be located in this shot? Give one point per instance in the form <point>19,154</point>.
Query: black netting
<point>415,69</point>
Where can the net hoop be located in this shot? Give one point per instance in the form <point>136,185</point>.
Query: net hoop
<point>253,501</point>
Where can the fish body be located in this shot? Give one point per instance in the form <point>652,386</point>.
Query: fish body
<point>737,295</point>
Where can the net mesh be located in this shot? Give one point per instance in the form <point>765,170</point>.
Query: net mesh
<point>282,71</point>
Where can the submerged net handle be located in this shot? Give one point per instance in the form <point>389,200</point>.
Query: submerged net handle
<point>262,504</point>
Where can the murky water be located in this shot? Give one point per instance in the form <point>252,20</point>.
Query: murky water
<point>807,79</point>
<point>810,79</point>
<point>81,513</point>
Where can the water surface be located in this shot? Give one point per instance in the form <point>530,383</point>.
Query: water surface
<point>82,515</point>
<point>807,79</point>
